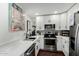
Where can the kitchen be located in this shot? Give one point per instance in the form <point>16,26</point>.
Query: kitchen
<point>39,29</point>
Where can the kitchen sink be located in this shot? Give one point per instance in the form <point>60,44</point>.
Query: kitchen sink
<point>30,39</point>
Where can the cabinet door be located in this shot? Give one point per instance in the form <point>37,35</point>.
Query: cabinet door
<point>59,44</point>
<point>63,22</point>
<point>66,45</point>
<point>36,48</point>
<point>55,19</point>
<point>38,45</point>
<point>57,22</point>
<point>41,42</point>
<point>39,23</point>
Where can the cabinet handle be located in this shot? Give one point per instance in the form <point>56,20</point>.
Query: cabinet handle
<point>37,47</point>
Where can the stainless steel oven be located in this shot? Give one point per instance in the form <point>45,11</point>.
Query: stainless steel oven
<point>30,51</point>
<point>50,43</point>
<point>49,37</point>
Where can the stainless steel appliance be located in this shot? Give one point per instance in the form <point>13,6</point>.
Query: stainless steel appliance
<point>49,26</point>
<point>77,41</point>
<point>50,44</point>
<point>49,37</point>
<point>74,33</point>
<point>30,51</point>
<point>72,46</point>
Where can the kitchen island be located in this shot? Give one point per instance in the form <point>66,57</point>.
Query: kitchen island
<point>13,49</point>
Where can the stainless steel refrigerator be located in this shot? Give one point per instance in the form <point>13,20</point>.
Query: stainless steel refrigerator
<point>74,35</point>
<point>77,41</point>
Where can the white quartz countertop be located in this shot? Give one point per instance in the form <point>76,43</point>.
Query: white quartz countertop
<point>15,48</point>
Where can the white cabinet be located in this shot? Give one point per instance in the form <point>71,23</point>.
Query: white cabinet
<point>60,21</point>
<point>59,43</point>
<point>39,44</point>
<point>37,47</point>
<point>63,44</point>
<point>63,21</point>
<point>47,20</point>
<point>39,23</point>
<point>65,48</point>
<point>42,20</point>
<point>42,42</point>
<point>57,22</point>
<point>53,19</point>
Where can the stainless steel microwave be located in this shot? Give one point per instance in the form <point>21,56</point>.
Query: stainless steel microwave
<point>49,26</point>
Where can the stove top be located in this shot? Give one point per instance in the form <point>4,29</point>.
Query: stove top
<point>49,36</point>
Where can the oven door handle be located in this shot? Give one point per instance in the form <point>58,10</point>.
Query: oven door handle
<point>29,52</point>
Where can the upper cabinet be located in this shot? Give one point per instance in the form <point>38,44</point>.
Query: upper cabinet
<point>39,23</point>
<point>55,19</point>
<point>60,21</point>
<point>46,20</point>
<point>64,22</point>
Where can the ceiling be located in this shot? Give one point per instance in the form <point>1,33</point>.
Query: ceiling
<point>33,9</point>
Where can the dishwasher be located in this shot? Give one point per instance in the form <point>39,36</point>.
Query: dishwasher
<point>30,51</point>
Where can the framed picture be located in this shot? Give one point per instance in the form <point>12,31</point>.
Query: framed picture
<point>16,19</point>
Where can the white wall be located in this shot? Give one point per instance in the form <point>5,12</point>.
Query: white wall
<point>5,34</point>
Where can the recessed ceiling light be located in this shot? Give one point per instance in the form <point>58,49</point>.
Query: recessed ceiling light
<point>55,12</point>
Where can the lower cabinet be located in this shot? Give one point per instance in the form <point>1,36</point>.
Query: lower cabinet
<point>36,49</point>
<point>66,45</point>
<point>63,44</point>
<point>41,42</point>
<point>38,45</point>
<point>59,44</point>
